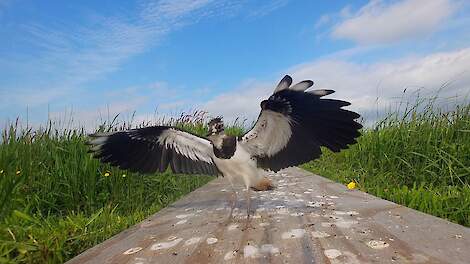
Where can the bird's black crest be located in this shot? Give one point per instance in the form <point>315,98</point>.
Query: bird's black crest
<point>214,121</point>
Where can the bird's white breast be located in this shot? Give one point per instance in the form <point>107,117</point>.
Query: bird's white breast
<point>240,168</point>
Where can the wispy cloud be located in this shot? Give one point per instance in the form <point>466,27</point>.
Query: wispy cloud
<point>369,87</point>
<point>68,56</point>
<point>171,9</point>
<point>91,118</point>
<point>242,102</point>
<point>378,22</point>
<point>323,20</point>
<point>267,8</point>
<point>361,83</point>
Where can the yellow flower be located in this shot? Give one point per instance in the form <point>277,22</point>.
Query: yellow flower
<point>107,174</point>
<point>22,251</point>
<point>1,171</point>
<point>351,185</point>
<point>124,175</point>
<point>18,172</point>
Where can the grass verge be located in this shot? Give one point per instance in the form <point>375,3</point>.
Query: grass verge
<point>56,201</point>
<point>418,157</point>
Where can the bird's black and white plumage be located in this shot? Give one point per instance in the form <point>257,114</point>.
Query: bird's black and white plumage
<point>295,123</point>
<point>152,149</point>
<point>292,126</point>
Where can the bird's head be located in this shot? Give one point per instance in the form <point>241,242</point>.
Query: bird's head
<point>216,126</point>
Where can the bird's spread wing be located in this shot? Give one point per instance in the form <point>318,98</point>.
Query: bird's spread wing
<point>294,123</point>
<point>152,149</point>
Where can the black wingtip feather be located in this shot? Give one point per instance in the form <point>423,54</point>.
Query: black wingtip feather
<point>138,150</point>
<point>321,93</point>
<point>322,119</point>
<point>287,79</point>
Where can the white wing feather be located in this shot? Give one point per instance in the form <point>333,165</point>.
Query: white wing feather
<point>186,144</point>
<point>270,134</point>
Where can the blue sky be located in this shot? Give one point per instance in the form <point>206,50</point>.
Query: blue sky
<point>87,58</point>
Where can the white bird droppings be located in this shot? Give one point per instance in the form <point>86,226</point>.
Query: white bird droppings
<point>297,214</point>
<point>211,240</point>
<point>293,233</point>
<point>320,234</point>
<point>164,245</point>
<point>181,216</point>
<point>345,224</point>
<point>264,224</point>
<point>351,213</point>
<point>232,227</point>
<point>333,197</point>
<point>269,248</point>
<point>315,204</point>
<point>180,222</point>
<point>327,224</point>
<point>132,250</point>
<point>332,253</point>
<point>282,211</point>
<point>230,255</point>
<point>377,244</point>
<point>314,215</point>
<point>250,251</point>
<point>171,238</point>
<point>139,261</point>
<point>192,241</point>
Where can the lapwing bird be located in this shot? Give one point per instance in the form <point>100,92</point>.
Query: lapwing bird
<point>292,126</point>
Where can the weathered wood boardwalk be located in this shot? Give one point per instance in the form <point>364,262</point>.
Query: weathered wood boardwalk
<point>307,219</point>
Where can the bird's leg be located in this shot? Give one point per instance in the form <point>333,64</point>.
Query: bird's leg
<point>233,201</point>
<point>248,208</point>
<point>248,203</point>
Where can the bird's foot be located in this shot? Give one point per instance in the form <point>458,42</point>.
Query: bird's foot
<point>264,184</point>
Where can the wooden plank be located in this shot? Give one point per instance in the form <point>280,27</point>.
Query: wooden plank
<point>306,219</point>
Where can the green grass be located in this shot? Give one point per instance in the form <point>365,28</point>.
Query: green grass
<point>55,200</point>
<point>60,203</point>
<point>418,157</point>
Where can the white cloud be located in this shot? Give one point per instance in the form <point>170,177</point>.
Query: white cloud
<point>378,23</point>
<point>90,119</point>
<point>323,20</point>
<point>369,87</point>
<point>172,8</point>
<point>265,9</point>
<point>67,56</point>
<point>243,102</point>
